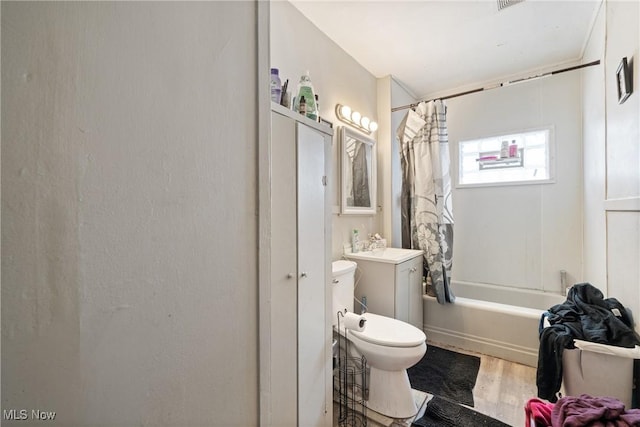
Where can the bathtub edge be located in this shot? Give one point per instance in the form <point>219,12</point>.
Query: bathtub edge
<point>504,331</point>
<point>483,345</point>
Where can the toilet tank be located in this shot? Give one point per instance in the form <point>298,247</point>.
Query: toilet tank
<point>343,273</point>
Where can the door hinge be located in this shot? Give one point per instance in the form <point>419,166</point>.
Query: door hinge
<point>324,180</point>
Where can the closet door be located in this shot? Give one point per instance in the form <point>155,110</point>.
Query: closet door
<point>284,315</point>
<point>312,282</point>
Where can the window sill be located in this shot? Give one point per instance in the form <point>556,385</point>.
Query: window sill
<point>506,184</point>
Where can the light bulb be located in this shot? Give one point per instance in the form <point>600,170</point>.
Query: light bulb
<point>365,122</point>
<point>355,117</point>
<point>345,110</point>
<point>373,126</point>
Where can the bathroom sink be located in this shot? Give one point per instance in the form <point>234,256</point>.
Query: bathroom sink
<point>390,255</point>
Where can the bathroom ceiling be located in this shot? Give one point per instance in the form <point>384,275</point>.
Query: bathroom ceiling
<point>435,48</point>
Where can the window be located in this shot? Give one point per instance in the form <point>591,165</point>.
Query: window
<point>516,158</point>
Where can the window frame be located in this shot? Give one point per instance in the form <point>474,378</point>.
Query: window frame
<point>551,159</point>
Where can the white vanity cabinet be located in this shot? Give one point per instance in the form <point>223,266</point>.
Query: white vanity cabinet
<point>298,389</point>
<point>391,282</point>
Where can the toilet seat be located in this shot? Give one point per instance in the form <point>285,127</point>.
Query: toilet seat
<point>388,332</point>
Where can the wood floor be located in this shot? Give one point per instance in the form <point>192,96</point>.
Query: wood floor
<point>502,388</point>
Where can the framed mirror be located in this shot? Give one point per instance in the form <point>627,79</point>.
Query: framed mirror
<point>358,173</point>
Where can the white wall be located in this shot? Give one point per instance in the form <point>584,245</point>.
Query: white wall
<point>622,169</point>
<point>593,122</point>
<point>612,158</point>
<point>623,150</point>
<point>129,189</point>
<point>297,46</point>
<point>520,236</point>
<point>385,155</point>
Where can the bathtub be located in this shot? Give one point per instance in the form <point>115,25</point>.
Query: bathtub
<point>494,320</point>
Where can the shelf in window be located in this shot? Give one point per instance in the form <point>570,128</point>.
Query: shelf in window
<point>492,160</point>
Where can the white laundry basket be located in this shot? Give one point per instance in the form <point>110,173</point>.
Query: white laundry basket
<point>599,370</point>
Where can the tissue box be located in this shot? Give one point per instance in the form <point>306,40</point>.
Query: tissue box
<point>380,244</point>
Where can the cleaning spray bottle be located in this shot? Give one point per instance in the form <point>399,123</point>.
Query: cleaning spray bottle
<point>305,88</point>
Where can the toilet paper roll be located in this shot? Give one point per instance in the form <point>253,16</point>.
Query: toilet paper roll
<point>354,322</point>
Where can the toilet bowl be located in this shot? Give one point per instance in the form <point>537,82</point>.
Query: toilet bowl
<point>390,346</point>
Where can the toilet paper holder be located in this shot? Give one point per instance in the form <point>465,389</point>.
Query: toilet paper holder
<point>353,390</point>
<point>352,321</point>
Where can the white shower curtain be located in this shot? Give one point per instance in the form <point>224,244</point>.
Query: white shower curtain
<point>427,217</point>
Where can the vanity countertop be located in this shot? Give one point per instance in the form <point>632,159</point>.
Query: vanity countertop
<point>388,255</point>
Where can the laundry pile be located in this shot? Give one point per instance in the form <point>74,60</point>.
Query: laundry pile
<point>580,411</point>
<point>585,315</point>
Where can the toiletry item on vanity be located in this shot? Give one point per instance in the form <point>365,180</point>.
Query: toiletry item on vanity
<point>513,149</point>
<point>355,241</point>
<point>376,243</point>
<point>504,151</point>
<point>276,86</point>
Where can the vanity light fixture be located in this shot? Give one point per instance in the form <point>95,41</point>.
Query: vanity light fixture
<point>355,119</point>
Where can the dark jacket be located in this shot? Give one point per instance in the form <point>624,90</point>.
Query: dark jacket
<point>585,315</point>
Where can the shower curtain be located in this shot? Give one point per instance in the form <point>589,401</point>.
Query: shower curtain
<point>427,217</point>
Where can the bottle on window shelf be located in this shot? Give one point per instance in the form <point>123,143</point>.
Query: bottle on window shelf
<point>513,149</point>
<point>504,151</point>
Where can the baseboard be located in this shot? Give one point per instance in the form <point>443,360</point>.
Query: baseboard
<point>503,350</point>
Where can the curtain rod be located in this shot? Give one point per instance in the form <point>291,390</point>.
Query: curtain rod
<point>550,73</point>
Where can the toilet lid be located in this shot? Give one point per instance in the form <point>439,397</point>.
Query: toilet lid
<point>389,332</point>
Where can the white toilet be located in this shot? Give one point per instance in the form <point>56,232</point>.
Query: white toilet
<point>389,345</point>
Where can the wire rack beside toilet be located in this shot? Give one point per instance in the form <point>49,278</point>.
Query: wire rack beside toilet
<point>351,384</point>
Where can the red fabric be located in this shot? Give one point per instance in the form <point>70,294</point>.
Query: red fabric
<point>539,411</point>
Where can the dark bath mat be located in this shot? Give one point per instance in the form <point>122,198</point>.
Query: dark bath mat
<point>446,373</point>
<point>442,412</point>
